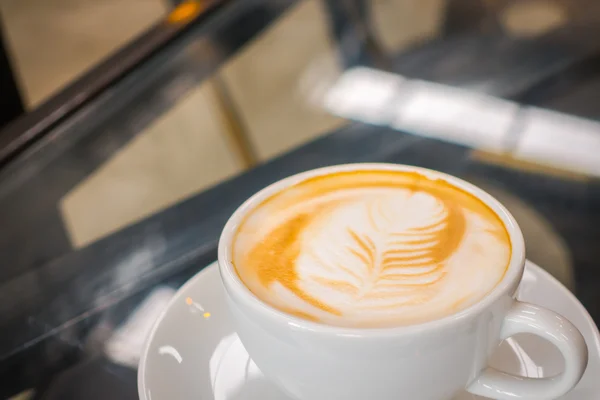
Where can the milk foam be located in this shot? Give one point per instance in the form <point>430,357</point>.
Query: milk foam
<point>372,256</point>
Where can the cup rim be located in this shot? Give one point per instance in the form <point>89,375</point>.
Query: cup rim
<point>232,281</point>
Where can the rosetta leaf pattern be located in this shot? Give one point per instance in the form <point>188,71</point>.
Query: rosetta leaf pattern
<point>384,252</point>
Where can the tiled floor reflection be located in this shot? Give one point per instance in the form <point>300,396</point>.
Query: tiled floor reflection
<point>272,79</point>
<point>54,41</point>
<point>182,152</point>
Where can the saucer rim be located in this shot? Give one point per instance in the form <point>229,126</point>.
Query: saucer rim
<point>529,265</point>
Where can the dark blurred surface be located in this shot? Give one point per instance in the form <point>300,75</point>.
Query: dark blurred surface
<point>61,303</point>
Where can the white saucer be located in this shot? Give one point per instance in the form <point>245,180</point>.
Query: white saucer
<point>193,352</point>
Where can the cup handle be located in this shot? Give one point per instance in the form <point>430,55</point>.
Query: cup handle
<point>529,318</point>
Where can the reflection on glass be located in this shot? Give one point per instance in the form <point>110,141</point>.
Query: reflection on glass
<point>467,118</point>
<point>125,346</point>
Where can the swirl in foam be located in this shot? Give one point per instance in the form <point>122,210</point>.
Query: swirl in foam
<point>371,248</point>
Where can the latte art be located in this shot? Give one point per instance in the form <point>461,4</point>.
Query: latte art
<point>379,251</point>
<point>371,248</point>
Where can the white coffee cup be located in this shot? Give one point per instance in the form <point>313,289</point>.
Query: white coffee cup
<point>429,361</point>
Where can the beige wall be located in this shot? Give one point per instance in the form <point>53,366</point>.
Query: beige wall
<point>54,41</point>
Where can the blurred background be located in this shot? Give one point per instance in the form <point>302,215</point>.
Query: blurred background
<point>131,129</point>
<point>263,91</point>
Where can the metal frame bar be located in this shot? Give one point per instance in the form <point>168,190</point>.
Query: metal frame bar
<point>25,131</point>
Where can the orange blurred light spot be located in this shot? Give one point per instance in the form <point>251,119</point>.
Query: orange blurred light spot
<point>185,12</point>
<point>188,301</point>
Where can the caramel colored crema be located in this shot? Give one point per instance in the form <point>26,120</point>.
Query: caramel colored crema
<point>371,249</point>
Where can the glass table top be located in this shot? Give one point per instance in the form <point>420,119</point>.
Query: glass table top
<point>127,191</point>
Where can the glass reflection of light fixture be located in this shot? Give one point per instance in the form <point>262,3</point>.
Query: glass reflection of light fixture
<point>471,119</point>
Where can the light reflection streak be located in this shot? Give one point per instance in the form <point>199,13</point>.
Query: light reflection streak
<point>541,137</point>
<point>528,367</point>
<point>172,351</point>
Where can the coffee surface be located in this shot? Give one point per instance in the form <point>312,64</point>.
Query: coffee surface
<point>371,249</point>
